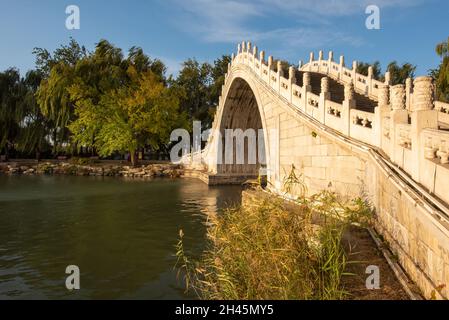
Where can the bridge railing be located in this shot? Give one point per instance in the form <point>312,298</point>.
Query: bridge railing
<point>363,84</point>
<point>443,112</point>
<point>405,123</point>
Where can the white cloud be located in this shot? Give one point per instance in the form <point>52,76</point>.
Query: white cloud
<point>229,21</point>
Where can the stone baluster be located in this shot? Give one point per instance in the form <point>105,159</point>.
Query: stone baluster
<point>398,115</point>
<point>311,61</point>
<point>408,93</point>
<point>341,66</point>
<point>292,75</point>
<point>381,113</point>
<point>238,48</point>
<point>354,73</point>
<point>369,83</point>
<point>254,57</point>
<point>280,74</point>
<point>306,87</point>
<point>387,78</point>
<point>262,62</point>
<point>324,95</point>
<point>384,97</point>
<point>329,61</point>
<point>423,94</point>
<point>397,94</point>
<point>248,47</point>
<point>270,68</point>
<point>243,51</point>
<point>320,59</point>
<point>279,67</point>
<point>291,81</point>
<point>348,104</point>
<point>423,116</point>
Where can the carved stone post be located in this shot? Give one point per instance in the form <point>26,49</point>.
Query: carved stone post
<point>254,55</point>
<point>369,83</point>
<point>262,62</point>
<point>330,59</point>
<point>422,116</point>
<point>324,95</point>
<point>348,104</point>
<point>381,113</point>
<point>399,115</point>
<point>341,66</point>
<point>292,75</point>
<point>306,87</point>
<point>292,81</point>
<point>270,68</point>
<point>320,58</point>
<point>279,67</point>
<point>262,57</point>
<point>311,61</point>
<point>354,72</point>
<point>408,93</point>
<point>279,75</point>
<point>387,78</point>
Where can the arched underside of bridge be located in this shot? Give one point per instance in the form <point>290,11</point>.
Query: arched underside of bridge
<point>241,133</point>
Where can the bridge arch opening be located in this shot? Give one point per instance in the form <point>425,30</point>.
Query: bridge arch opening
<point>242,151</point>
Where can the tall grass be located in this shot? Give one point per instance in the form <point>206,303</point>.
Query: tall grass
<point>270,251</point>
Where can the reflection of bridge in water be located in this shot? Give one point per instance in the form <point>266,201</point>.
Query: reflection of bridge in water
<point>351,133</point>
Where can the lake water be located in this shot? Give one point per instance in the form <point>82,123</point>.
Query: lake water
<point>120,233</point>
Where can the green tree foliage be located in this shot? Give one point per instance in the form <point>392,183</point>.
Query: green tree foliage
<point>193,84</point>
<point>399,73</point>
<point>11,91</point>
<point>103,101</point>
<point>441,74</point>
<point>52,96</point>
<point>35,127</point>
<point>362,68</point>
<point>122,105</point>
<point>199,86</point>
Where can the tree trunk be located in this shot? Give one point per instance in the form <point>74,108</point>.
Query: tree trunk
<point>6,152</point>
<point>133,158</point>
<point>38,155</point>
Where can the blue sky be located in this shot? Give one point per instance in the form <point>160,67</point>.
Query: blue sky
<point>174,30</point>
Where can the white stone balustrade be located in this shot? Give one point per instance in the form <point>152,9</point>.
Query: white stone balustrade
<point>404,125</point>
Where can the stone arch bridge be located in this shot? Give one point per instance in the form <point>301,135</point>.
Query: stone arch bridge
<point>351,133</point>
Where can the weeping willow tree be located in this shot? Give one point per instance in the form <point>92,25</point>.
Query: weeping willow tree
<point>11,93</point>
<point>34,126</point>
<point>53,98</point>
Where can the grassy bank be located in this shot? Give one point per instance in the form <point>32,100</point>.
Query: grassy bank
<point>273,250</point>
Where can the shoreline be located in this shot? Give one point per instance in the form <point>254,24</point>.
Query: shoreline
<point>99,168</point>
